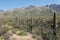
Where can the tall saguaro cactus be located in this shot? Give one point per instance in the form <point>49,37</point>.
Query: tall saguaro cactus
<point>30,25</point>
<point>54,23</point>
<point>54,27</point>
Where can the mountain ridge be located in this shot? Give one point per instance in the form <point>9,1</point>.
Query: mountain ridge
<point>47,10</point>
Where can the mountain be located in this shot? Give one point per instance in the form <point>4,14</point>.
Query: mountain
<point>34,11</point>
<point>55,7</point>
<point>1,12</point>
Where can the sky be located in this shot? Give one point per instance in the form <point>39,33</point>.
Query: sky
<point>11,4</point>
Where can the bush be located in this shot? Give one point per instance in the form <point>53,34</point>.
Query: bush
<point>5,29</point>
<point>22,33</point>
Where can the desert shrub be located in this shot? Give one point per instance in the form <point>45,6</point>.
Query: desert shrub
<point>5,29</point>
<point>22,33</point>
<point>7,36</point>
<point>14,30</point>
<point>1,38</point>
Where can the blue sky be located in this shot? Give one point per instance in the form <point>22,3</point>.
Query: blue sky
<point>10,4</point>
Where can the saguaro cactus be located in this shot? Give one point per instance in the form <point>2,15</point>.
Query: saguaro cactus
<point>30,25</point>
<point>54,27</point>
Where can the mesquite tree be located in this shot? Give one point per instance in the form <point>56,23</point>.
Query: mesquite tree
<point>17,22</point>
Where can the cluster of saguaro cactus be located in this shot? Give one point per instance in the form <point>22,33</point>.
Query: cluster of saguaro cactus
<point>54,29</point>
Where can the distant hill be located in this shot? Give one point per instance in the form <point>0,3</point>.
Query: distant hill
<point>1,10</point>
<point>30,11</point>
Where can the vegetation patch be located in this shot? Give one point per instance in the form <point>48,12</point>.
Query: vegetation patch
<point>22,33</point>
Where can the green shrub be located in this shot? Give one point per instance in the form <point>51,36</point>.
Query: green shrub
<point>22,33</point>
